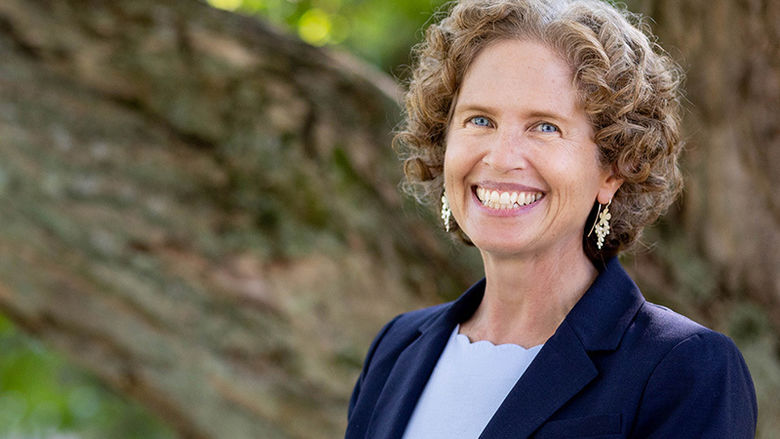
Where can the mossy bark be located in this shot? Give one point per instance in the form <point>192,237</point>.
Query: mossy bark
<point>204,211</point>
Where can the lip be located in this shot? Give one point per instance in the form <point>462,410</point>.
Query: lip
<point>505,187</point>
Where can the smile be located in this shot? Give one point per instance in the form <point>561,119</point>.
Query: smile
<point>506,200</point>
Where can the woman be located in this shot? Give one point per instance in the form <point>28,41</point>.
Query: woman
<point>549,130</point>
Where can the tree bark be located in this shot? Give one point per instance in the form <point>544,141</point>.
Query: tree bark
<point>717,254</point>
<point>204,211</point>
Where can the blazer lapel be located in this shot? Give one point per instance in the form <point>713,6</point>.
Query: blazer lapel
<point>413,368</point>
<point>563,367</point>
<point>560,370</point>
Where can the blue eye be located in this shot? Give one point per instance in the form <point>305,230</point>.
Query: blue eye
<point>480,121</point>
<point>547,128</point>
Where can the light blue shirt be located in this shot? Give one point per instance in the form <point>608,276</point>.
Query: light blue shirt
<point>468,384</point>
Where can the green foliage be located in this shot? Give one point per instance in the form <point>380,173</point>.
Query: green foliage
<point>380,31</point>
<point>41,395</point>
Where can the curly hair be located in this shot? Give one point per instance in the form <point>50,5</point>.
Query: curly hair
<point>629,88</point>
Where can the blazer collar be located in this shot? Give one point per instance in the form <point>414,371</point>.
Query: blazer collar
<point>603,314</point>
<point>563,366</point>
<point>561,369</point>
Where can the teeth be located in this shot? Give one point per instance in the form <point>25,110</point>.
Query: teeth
<point>506,200</point>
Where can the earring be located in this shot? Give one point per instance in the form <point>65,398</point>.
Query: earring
<point>601,225</point>
<point>446,213</point>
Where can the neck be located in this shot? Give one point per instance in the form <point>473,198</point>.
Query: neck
<point>526,299</point>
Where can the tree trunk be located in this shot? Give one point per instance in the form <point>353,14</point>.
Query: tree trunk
<point>204,212</point>
<point>718,253</point>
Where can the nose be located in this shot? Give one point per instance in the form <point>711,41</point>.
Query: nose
<point>507,150</point>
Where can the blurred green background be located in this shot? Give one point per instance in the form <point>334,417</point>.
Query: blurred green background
<point>42,396</point>
<point>378,31</point>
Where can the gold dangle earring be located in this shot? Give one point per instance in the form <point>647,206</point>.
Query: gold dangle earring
<point>446,213</point>
<point>601,225</point>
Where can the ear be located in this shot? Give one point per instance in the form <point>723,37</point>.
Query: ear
<point>609,186</point>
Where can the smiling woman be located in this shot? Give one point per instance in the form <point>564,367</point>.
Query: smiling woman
<point>549,130</point>
<point>626,86</point>
<point>519,128</point>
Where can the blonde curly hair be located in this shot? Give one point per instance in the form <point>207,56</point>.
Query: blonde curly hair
<point>629,87</point>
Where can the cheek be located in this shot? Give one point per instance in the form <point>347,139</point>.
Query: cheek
<point>459,157</point>
<point>581,169</point>
<point>452,175</point>
<point>452,164</point>
<point>458,163</point>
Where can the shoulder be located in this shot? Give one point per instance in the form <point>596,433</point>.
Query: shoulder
<point>662,329</point>
<point>689,351</point>
<point>391,340</point>
<point>396,334</point>
<point>417,318</point>
<point>406,326</point>
<point>698,379</point>
<point>679,349</point>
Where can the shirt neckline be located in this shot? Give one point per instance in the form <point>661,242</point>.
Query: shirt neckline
<point>463,340</point>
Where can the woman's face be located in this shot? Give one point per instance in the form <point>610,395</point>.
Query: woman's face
<point>521,168</point>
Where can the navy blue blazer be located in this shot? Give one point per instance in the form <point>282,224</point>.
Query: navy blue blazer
<point>617,367</point>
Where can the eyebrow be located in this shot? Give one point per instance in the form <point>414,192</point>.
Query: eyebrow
<point>472,107</point>
<point>541,114</point>
<point>533,114</point>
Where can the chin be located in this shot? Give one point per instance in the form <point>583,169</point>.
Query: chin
<point>501,247</point>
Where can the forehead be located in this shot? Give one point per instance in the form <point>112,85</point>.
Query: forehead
<point>519,71</point>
